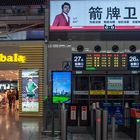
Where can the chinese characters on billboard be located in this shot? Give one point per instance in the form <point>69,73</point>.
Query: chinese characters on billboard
<point>30,79</point>
<point>94,15</point>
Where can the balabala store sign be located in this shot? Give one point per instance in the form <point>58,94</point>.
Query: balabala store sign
<point>14,58</point>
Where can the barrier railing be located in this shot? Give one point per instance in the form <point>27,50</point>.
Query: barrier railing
<point>21,11</point>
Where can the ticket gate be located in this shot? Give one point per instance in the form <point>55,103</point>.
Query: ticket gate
<point>135,123</point>
<point>132,123</point>
<point>98,123</point>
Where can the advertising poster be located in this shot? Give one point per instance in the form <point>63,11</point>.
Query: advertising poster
<point>30,78</point>
<point>118,113</point>
<point>116,110</point>
<point>61,86</point>
<point>115,83</point>
<point>94,15</point>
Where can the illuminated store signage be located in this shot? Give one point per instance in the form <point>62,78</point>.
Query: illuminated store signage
<point>94,15</point>
<point>30,82</point>
<point>133,61</point>
<point>15,58</point>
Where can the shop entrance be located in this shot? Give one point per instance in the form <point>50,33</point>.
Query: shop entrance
<point>9,87</point>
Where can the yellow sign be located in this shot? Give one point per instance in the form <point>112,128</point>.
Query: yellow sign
<point>15,58</point>
<point>113,92</point>
<point>97,92</point>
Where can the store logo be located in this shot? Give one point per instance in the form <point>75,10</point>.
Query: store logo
<point>15,58</point>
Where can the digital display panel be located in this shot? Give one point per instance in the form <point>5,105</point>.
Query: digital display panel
<point>115,83</point>
<point>30,78</point>
<point>61,86</point>
<point>106,61</point>
<point>133,61</point>
<point>94,15</point>
<point>79,61</point>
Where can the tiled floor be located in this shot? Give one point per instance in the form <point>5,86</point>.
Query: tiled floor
<point>14,128</point>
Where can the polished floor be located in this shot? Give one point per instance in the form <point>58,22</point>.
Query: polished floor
<point>14,128</point>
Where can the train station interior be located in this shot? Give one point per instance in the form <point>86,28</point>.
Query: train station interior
<point>69,70</point>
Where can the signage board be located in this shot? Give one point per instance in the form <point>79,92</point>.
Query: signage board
<point>94,15</point>
<point>104,61</point>
<point>30,82</point>
<point>133,62</point>
<point>115,83</point>
<point>78,61</point>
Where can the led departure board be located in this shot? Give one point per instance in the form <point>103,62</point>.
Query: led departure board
<point>106,61</point>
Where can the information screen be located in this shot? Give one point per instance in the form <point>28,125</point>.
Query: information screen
<point>30,78</point>
<point>115,83</point>
<point>61,86</point>
<point>94,15</point>
<point>79,61</point>
<point>106,61</point>
<point>133,62</point>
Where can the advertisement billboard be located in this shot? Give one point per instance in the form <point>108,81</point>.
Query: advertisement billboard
<point>30,80</point>
<point>61,86</point>
<point>94,15</point>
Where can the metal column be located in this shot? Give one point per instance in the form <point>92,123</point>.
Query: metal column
<point>113,128</point>
<point>63,124</point>
<point>104,124</point>
<point>98,125</point>
<point>137,129</point>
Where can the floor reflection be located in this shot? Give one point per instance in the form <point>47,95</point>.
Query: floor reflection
<point>13,127</point>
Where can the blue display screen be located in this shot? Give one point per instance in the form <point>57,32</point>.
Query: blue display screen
<point>115,109</point>
<point>61,87</point>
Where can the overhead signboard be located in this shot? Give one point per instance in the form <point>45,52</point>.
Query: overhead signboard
<point>115,83</point>
<point>97,92</point>
<point>133,62</point>
<point>78,61</point>
<point>131,92</point>
<point>106,61</point>
<point>94,15</point>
